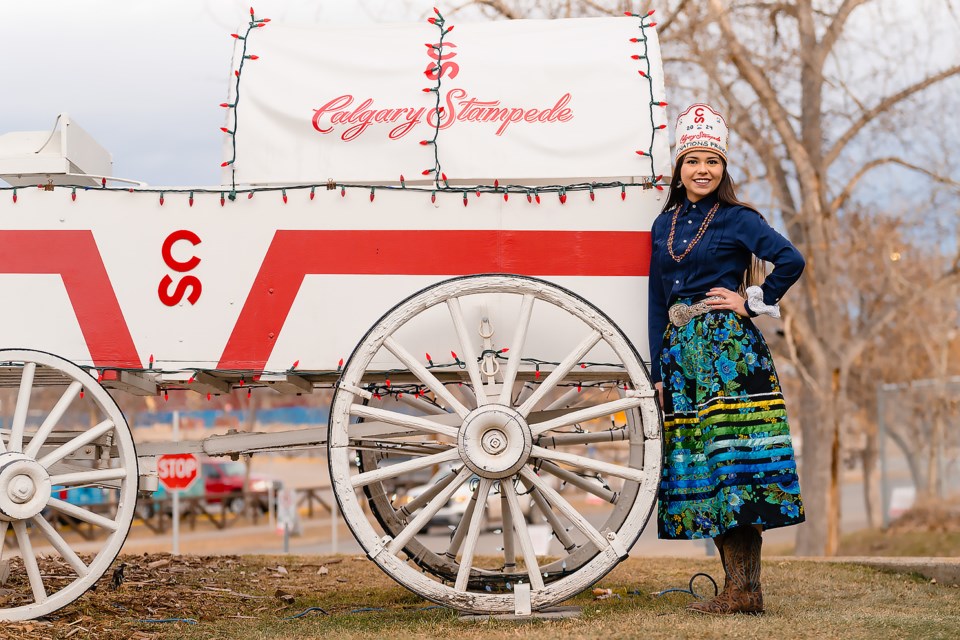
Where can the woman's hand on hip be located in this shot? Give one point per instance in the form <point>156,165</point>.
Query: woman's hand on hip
<point>729,300</point>
<point>659,387</point>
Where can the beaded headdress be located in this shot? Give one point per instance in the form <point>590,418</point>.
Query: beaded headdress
<point>701,128</point>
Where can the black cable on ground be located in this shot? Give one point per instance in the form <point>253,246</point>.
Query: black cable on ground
<point>689,588</point>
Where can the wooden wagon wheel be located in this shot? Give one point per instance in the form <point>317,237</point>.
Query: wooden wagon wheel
<point>39,464</point>
<point>496,424</point>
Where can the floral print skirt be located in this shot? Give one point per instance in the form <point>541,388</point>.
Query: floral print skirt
<point>728,456</point>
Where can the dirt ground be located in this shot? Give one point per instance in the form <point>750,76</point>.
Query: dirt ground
<point>161,596</point>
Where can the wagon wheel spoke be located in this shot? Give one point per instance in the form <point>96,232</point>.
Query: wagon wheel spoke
<point>523,535</point>
<point>82,514</point>
<point>627,473</point>
<point>473,534</point>
<point>428,511</point>
<point>427,378</point>
<point>565,508</point>
<point>23,405</point>
<point>463,527</point>
<point>587,484</point>
<point>61,545</point>
<point>516,350</point>
<point>377,475</point>
<point>428,495</point>
<point>585,415</point>
<point>468,351</point>
<point>4,525</point>
<point>509,548</point>
<point>29,562</point>
<point>558,374</point>
<point>585,437</point>
<point>50,423</point>
<point>74,444</point>
<point>543,507</point>
<point>400,449</point>
<point>416,424</point>
<point>87,478</point>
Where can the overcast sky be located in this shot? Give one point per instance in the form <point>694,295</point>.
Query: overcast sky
<point>143,77</point>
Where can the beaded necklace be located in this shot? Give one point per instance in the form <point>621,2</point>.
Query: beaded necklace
<point>696,238</point>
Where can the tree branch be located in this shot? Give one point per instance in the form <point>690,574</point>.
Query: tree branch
<point>499,6</point>
<point>766,94</point>
<point>884,105</point>
<point>857,344</point>
<point>795,357</point>
<point>836,27</point>
<point>667,22</point>
<point>777,177</point>
<point>844,195</point>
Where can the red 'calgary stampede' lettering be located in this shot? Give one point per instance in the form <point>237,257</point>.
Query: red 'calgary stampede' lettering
<point>459,108</point>
<point>700,135</point>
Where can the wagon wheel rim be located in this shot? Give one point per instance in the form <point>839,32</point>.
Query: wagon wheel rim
<point>46,570</point>
<point>502,445</point>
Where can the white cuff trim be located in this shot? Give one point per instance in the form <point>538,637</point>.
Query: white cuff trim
<point>756,304</point>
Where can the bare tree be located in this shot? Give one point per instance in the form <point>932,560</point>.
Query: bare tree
<point>826,124</point>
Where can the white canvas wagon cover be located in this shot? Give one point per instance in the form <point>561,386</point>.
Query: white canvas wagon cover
<point>524,100</point>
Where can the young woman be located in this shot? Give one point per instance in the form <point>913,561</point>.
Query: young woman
<point>728,469</point>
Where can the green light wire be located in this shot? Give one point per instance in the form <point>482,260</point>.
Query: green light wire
<point>645,58</point>
<point>437,169</point>
<point>253,24</point>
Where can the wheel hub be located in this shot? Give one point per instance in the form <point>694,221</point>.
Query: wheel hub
<point>24,487</point>
<point>494,441</point>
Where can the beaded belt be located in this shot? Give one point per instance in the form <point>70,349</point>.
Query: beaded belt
<point>680,313</point>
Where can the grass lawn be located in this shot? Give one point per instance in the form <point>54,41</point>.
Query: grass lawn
<point>239,597</point>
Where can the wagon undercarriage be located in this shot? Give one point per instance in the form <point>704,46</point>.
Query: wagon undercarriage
<point>499,439</point>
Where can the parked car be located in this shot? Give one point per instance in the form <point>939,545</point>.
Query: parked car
<point>452,513</point>
<point>82,496</point>
<point>221,480</point>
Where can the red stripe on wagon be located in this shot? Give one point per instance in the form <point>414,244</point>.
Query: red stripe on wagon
<point>74,256</point>
<point>295,254</point>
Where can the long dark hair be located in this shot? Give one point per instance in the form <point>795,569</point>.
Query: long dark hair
<point>727,195</point>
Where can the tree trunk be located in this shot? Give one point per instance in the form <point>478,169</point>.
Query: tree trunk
<point>814,471</point>
<point>934,486</point>
<point>871,481</point>
<point>833,491</point>
<point>916,475</point>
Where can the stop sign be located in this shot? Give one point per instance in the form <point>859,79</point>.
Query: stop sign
<point>177,471</point>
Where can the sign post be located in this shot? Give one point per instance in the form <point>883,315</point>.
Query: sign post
<point>177,472</point>
<point>288,519</point>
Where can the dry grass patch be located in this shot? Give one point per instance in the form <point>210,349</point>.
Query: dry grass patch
<point>252,597</point>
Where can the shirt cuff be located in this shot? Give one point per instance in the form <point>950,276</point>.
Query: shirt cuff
<point>755,305</point>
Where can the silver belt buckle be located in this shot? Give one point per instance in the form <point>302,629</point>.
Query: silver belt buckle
<point>680,314</point>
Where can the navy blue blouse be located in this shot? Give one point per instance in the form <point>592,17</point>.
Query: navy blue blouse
<point>719,259</point>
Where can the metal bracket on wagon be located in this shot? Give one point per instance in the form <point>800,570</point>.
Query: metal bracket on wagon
<point>357,391</point>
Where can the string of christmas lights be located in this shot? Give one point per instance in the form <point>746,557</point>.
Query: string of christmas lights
<point>386,388</point>
<point>532,193</point>
<point>436,172</point>
<point>232,107</point>
<point>644,59</point>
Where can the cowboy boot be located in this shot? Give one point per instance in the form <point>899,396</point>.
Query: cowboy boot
<point>751,593</point>
<point>724,595</point>
<point>741,560</point>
